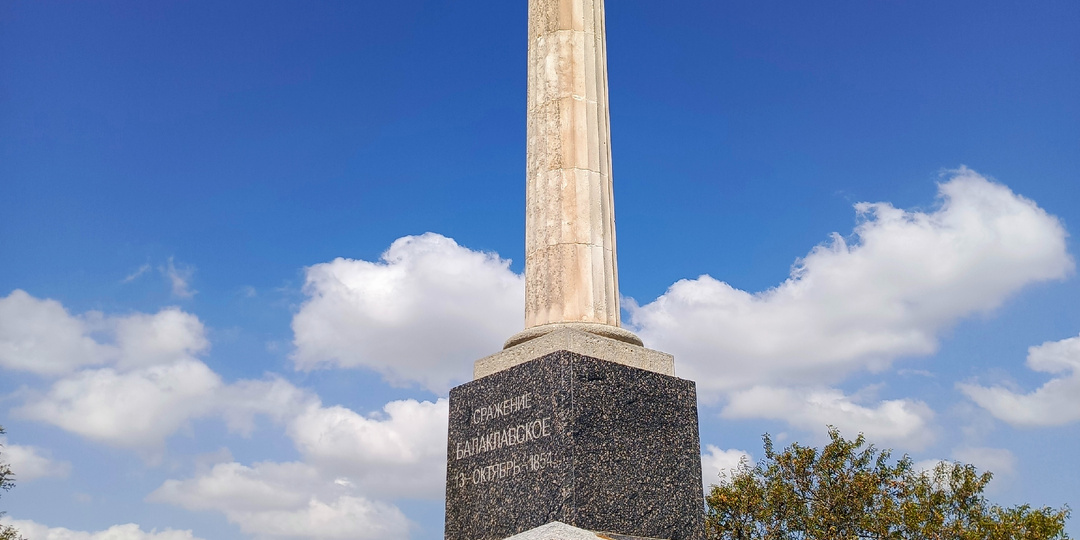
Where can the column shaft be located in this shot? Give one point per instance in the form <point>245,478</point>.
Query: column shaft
<point>570,265</point>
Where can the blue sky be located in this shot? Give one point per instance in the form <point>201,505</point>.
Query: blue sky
<point>181,350</point>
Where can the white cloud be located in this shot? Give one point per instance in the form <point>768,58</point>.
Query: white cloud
<point>273,397</point>
<point>285,500</point>
<point>137,409</point>
<point>179,278</point>
<point>353,518</point>
<point>999,461</point>
<point>349,458</point>
<point>717,463</point>
<point>40,336</point>
<point>28,462</point>
<point>152,386</point>
<point>166,336</point>
<point>902,422</point>
<point>423,313</point>
<point>1055,403</point>
<point>236,488</point>
<point>140,409</point>
<point>136,274</point>
<point>35,531</point>
<point>401,453</point>
<point>908,276</point>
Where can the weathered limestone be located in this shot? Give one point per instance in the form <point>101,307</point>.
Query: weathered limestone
<point>571,274</point>
<point>575,340</point>
<point>557,530</point>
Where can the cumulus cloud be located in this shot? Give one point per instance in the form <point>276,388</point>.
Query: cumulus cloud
<point>166,336</point>
<point>153,382</point>
<point>399,453</point>
<point>35,531</point>
<point>40,336</point>
<point>717,463</point>
<point>133,409</point>
<point>272,397</point>
<point>285,500</point>
<point>1055,403</point>
<point>233,487</point>
<point>28,462</point>
<point>349,459</point>
<point>140,409</point>
<point>901,422</point>
<point>353,518</point>
<point>853,305</point>
<point>422,313</point>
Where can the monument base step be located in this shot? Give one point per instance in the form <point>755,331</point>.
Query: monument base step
<point>574,339</point>
<point>557,530</point>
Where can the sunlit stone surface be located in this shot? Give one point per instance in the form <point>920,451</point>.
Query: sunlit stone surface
<point>561,531</point>
<point>571,274</point>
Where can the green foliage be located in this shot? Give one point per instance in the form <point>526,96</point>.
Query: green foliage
<point>7,481</point>
<point>851,490</point>
<point>6,476</point>
<point>9,533</point>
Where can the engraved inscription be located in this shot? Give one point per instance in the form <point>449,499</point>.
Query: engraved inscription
<point>506,469</point>
<point>509,431</point>
<point>505,407</point>
<point>511,436</point>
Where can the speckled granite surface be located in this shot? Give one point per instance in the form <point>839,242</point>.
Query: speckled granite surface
<point>569,438</point>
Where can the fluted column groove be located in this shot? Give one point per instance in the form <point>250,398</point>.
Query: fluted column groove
<point>571,271</point>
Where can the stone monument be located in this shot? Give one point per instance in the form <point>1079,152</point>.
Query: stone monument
<point>574,426</point>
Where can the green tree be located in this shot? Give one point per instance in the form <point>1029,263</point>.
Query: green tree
<point>7,481</point>
<point>851,490</point>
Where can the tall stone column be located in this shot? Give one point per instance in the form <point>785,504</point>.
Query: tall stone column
<point>573,426</point>
<point>571,275</point>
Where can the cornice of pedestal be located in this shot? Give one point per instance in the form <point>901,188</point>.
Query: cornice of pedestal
<point>599,329</point>
<point>571,337</point>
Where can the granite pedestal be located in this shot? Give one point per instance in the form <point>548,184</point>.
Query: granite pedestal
<point>566,437</point>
